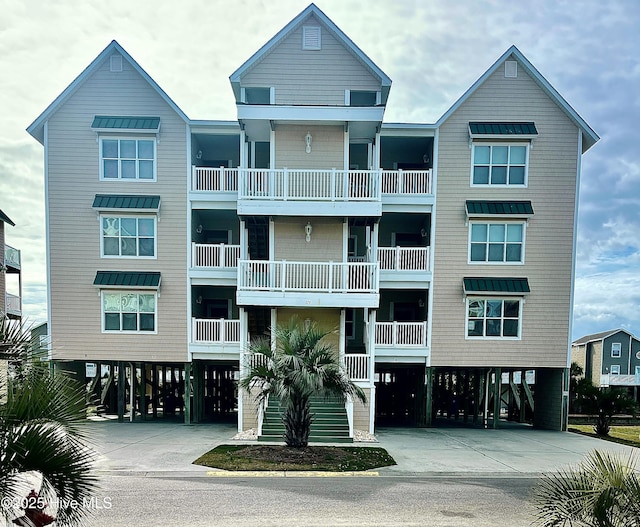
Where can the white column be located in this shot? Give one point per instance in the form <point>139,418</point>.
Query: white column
<point>244,345</point>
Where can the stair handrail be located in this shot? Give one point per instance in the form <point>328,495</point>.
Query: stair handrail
<point>262,408</point>
<point>348,406</point>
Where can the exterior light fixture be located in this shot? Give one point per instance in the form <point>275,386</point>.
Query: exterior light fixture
<point>307,230</point>
<point>307,140</point>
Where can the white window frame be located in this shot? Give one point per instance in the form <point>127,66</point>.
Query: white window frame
<point>614,369</point>
<point>313,31</point>
<point>137,159</point>
<point>138,313</point>
<point>490,298</point>
<point>525,184</point>
<point>137,217</point>
<point>616,350</point>
<point>488,223</point>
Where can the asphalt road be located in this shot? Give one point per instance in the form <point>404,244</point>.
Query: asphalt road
<point>313,502</point>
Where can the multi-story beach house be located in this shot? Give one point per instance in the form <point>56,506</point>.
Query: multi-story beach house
<point>442,253</point>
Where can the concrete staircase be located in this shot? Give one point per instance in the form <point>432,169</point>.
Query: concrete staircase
<point>330,423</point>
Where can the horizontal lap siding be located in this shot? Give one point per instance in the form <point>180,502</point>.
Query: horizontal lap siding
<point>549,234</point>
<point>326,240</point>
<point>310,77</point>
<point>75,230</point>
<point>327,147</point>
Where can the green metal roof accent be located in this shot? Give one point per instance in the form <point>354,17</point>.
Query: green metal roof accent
<point>513,286</point>
<point>480,128</point>
<point>6,219</point>
<point>117,122</point>
<point>127,279</point>
<point>126,201</point>
<point>519,208</point>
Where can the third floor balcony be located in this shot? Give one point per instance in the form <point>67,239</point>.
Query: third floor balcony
<point>319,192</point>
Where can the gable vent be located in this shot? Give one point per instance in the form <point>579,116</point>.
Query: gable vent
<point>115,64</point>
<point>311,37</point>
<point>511,69</point>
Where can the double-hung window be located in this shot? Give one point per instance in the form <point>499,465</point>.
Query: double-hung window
<point>493,318</point>
<point>615,369</point>
<point>131,159</point>
<point>128,236</point>
<point>616,350</point>
<point>128,312</point>
<point>500,164</point>
<point>494,307</point>
<point>496,242</point>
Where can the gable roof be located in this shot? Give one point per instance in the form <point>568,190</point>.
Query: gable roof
<point>6,219</point>
<point>36,128</point>
<point>601,336</point>
<point>589,137</point>
<point>286,30</point>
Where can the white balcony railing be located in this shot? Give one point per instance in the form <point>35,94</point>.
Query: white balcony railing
<point>403,258</point>
<point>406,182</point>
<point>326,277</point>
<point>326,185</point>
<point>357,366</point>
<point>214,179</point>
<point>619,380</point>
<point>11,256</point>
<point>405,334</point>
<point>13,304</point>
<point>309,185</point>
<point>216,331</point>
<point>215,255</point>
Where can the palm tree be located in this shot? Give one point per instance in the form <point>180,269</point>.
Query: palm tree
<point>300,365</point>
<point>604,403</point>
<point>42,441</point>
<point>603,491</point>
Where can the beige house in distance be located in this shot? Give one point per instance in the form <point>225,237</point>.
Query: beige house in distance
<point>442,253</point>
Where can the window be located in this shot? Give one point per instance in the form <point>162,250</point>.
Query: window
<point>615,369</point>
<point>362,98</point>
<point>257,96</point>
<point>128,236</point>
<point>499,164</point>
<point>493,318</point>
<point>125,312</point>
<point>616,350</point>
<point>128,159</point>
<point>496,242</point>
<point>349,324</point>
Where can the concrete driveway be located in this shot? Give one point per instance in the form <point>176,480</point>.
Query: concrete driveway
<point>158,448</point>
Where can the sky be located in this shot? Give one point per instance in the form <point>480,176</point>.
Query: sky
<point>433,50</point>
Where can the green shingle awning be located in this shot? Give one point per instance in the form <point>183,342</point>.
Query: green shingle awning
<point>499,208</point>
<point>498,129</point>
<point>130,123</point>
<point>127,279</point>
<point>126,201</point>
<point>496,286</point>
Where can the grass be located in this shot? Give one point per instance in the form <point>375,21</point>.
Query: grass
<point>277,457</point>
<point>626,435</point>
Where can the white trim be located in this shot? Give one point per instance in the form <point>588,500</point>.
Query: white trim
<point>491,145</point>
<point>311,38</point>
<point>123,137</point>
<point>45,142</point>
<point>188,240</point>
<point>523,224</point>
<point>617,366</point>
<point>135,216</point>
<point>309,113</point>
<point>619,350</point>
<point>136,290</point>
<point>572,282</point>
<point>474,297</point>
<point>587,131</point>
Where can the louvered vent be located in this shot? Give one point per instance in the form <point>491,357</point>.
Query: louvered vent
<point>116,63</point>
<point>311,37</point>
<point>511,69</point>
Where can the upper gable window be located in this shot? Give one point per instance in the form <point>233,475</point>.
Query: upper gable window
<point>127,159</point>
<point>311,38</point>
<point>500,164</point>
<point>257,95</point>
<point>362,98</point>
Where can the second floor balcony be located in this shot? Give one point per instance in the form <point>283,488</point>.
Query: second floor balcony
<point>330,192</point>
<point>298,284</point>
<point>13,305</point>
<point>11,258</point>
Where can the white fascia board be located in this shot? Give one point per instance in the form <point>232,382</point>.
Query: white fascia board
<point>310,113</point>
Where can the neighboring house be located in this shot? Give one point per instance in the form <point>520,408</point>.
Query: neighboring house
<point>442,253</point>
<point>11,278</point>
<point>609,358</point>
